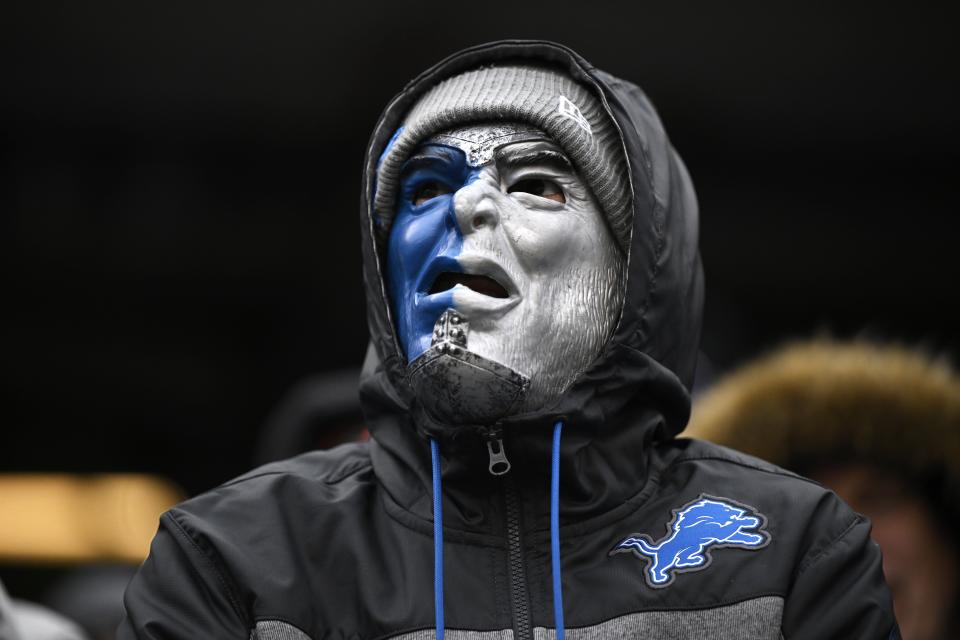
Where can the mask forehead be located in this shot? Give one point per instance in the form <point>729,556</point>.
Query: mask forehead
<point>479,142</point>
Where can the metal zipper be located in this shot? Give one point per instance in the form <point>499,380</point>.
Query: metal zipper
<point>499,464</point>
<point>522,627</point>
<point>519,596</point>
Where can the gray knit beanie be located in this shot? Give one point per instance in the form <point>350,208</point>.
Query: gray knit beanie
<point>543,98</point>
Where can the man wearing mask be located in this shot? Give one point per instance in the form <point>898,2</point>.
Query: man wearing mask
<point>534,295</point>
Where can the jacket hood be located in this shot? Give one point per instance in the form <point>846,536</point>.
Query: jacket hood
<point>636,391</point>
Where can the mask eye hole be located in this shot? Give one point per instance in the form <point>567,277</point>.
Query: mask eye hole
<point>428,191</point>
<point>539,187</point>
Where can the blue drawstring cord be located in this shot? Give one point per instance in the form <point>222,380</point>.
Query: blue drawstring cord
<point>555,530</point>
<point>437,539</point>
<point>554,535</point>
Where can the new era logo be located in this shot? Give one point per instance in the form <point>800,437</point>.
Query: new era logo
<point>567,109</point>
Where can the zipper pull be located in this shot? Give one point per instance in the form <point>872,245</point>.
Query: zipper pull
<point>499,464</point>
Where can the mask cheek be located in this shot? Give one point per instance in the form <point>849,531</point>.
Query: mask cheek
<point>416,240</point>
<point>541,247</point>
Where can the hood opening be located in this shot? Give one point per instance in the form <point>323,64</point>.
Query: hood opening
<point>639,383</point>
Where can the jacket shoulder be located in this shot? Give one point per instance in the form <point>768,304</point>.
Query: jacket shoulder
<point>321,476</point>
<point>329,466</point>
<point>256,532</point>
<point>264,509</point>
<point>252,546</point>
<point>817,554</point>
<point>806,517</point>
<point>691,450</point>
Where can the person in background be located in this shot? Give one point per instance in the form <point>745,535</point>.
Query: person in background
<point>22,620</point>
<point>880,425</point>
<point>318,412</point>
<point>92,596</point>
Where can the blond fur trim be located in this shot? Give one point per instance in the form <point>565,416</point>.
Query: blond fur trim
<point>824,399</point>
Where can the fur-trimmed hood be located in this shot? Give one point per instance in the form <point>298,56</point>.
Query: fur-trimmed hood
<point>824,401</point>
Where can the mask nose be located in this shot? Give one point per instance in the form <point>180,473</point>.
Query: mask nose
<point>475,207</point>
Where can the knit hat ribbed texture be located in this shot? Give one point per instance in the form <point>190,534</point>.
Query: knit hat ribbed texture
<point>541,97</point>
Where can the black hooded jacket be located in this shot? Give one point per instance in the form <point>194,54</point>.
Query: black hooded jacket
<point>338,544</point>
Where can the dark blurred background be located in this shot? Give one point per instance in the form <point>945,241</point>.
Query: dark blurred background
<point>181,180</point>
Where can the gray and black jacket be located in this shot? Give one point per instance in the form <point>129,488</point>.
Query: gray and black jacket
<point>660,537</point>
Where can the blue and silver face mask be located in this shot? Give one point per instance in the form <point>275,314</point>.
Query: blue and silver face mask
<point>505,280</point>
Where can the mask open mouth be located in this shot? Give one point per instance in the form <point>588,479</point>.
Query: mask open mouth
<point>481,284</point>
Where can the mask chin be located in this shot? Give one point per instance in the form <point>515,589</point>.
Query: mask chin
<point>456,386</point>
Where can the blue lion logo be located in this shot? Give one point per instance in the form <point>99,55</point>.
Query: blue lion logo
<point>697,527</point>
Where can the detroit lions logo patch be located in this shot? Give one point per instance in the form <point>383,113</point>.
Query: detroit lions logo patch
<point>697,528</point>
